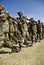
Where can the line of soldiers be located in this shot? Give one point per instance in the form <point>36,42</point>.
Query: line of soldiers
<point>17,31</point>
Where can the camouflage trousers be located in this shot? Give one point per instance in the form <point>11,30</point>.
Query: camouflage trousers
<point>24,38</point>
<point>33,37</point>
<point>2,38</point>
<point>7,40</point>
<point>39,36</point>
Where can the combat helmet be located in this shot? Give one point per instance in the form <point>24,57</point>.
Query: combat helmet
<point>20,13</point>
<point>39,21</point>
<point>25,17</point>
<point>1,7</point>
<point>31,19</point>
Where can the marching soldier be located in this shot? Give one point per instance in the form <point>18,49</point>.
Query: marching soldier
<point>33,29</point>
<point>2,37</point>
<point>13,32</point>
<point>43,31</point>
<point>4,28</point>
<point>22,28</point>
<point>39,30</point>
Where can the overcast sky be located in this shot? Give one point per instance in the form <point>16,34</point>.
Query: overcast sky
<point>30,8</point>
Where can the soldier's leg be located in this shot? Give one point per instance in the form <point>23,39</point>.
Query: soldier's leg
<point>2,38</point>
<point>35,37</point>
<point>6,35</point>
<point>27,39</point>
<point>7,41</point>
<point>32,38</point>
<point>27,35</point>
<point>43,35</point>
<point>22,40</point>
<point>11,34</point>
<point>39,37</point>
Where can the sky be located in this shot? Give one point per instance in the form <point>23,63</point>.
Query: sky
<point>30,8</point>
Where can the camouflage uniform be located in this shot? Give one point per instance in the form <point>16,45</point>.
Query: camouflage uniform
<point>39,30</point>
<point>11,31</point>
<point>23,28</point>
<point>43,30</point>
<point>11,28</point>
<point>4,26</point>
<point>6,30</point>
<point>2,37</point>
<point>33,29</point>
<point>16,31</point>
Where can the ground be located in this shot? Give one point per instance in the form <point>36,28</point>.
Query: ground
<point>27,56</point>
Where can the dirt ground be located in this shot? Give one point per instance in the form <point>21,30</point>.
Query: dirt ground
<point>27,56</point>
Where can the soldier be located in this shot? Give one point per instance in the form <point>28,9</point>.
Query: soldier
<point>22,28</point>
<point>4,23</point>
<point>43,31</point>
<point>2,37</point>
<point>33,29</point>
<point>4,28</point>
<point>11,28</point>
<point>26,33</point>
<point>16,31</point>
<point>29,30</point>
<point>39,30</point>
<point>13,32</point>
<point>6,32</point>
